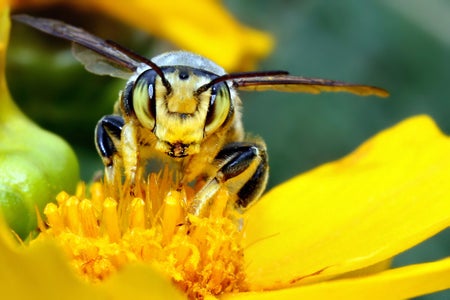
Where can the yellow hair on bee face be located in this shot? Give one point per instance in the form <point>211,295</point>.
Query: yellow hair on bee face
<point>181,114</point>
<point>172,129</point>
<point>182,99</point>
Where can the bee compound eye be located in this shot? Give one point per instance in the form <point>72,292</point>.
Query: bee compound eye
<point>219,107</point>
<point>144,99</point>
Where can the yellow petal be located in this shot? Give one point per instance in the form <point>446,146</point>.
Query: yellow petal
<point>38,272</point>
<point>400,283</point>
<point>41,271</point>
<point>387,196</point>
<point>204,27</point>
<point>140,282</point>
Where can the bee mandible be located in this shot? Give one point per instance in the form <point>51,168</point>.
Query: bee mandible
<point>183,108</point>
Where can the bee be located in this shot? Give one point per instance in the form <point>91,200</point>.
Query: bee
<point>185,109</point>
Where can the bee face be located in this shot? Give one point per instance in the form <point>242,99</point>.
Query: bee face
<point>181,116</point>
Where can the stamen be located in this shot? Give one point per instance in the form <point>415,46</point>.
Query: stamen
<point>171,215</point>
<point>110,219</point>
<point>88,219</point>
<point>219,206</point>
<point>102,234</point>
<point>70,213</point>
<point>54,220</point>
<point>137,218</point>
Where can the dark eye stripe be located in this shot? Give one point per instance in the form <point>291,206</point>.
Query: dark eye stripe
<point>151,98</point>
<point>220,107</point>
<point>151,90</point>
<point>211,108</point>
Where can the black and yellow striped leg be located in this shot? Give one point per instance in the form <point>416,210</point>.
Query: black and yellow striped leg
<point>242,170</point>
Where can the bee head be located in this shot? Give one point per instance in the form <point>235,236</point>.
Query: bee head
<point>175,105</point>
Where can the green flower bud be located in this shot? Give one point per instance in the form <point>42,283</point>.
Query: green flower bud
<point>34,164</point>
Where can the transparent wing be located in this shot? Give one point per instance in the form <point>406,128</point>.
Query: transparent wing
<point>101,56</point>
<point>99,64</point>
<point>288,83</point>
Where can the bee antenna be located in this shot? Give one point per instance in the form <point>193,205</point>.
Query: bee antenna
<point>238,75</point>
<point>144,60</point>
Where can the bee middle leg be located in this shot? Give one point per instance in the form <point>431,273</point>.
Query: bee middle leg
<point>242,170</point>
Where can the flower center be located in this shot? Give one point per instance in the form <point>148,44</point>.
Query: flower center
<point>102,233</point>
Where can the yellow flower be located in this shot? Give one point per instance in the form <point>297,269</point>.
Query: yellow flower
<point>202,26</point>
<point>328,233</point>
<point>324,234</point>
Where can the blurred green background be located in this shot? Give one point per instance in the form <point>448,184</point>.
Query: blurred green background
<point>401,45</point>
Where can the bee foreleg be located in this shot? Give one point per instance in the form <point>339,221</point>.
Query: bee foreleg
<point>107,141</point>
<point>242,170</point>
<point>130,150</point>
